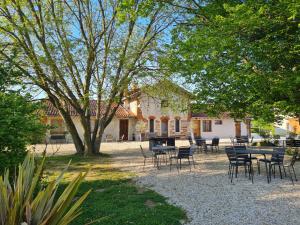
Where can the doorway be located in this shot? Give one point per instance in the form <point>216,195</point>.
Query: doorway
<point>237,128</point>
<point>197,128</point>
<point>123,130</point>
<point>164,127</point>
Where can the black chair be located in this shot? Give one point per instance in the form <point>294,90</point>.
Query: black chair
<point>171,141</point>
<point>276,160</point>
<point>214,144</point>
<point>235,162</point>
<point>291,165</point>
<point>245,156</point>
<point>201,144</point>
<point>183,153</point>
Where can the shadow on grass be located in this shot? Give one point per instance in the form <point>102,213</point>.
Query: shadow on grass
<point>114,199</point>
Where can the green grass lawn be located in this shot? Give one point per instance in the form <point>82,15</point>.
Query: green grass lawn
<point>115,199</point>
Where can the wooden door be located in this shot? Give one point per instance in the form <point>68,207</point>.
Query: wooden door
<point>124,130</point>
<point>197,128</point>
<point>237,129</point>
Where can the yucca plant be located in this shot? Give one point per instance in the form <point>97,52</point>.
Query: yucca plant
<point>21,203</point>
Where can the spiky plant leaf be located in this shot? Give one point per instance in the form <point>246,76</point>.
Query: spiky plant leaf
<point>19,204</point>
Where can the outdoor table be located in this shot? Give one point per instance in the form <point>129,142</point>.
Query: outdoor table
<point>252,151</point>
<point>165,149</point>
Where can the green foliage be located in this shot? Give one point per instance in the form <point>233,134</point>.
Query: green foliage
<point>19,126</point>
<point>20,204</point>
<point>243,57</point>
<point>114,199</point>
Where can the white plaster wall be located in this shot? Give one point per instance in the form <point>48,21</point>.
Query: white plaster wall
<point>226,130</point>
<point>152,107</point>
<point>112,129</point>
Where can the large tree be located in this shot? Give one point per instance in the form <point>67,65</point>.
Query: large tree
<point>242,57</point>
<point>75,50</point>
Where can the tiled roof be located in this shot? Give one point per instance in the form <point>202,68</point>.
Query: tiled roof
<point>201,114</point>
<point>51,110</point>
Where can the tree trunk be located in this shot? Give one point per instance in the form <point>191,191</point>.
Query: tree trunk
<point>74,133</point>
<point>87,135</point>
<point>98,141</point>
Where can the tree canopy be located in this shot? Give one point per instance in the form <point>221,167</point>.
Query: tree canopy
<point>242,57</point>
<point>83,49</point>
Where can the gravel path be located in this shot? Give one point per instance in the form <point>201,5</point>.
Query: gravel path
<point>207,194</point>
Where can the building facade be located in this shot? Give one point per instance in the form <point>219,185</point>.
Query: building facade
<point>142,116</point>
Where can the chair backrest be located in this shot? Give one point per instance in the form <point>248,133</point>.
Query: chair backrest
<point>297,143</point>
<point>279,154</point>
<point>142,151</point>
<point>184,152</point>
<point>294,158</point>
<point>171,141</point>
<point>289,142</point>
<point>245,139</point>
<point>200,142</point>
<point>230,152</point>
<point>215,141</point>
<point>241,148</point>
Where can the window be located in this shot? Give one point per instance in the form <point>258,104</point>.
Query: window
<point>206,125</point>
<point>57,126</point>
<point>164,103</point>
<point>151,125</point>
<point>218,122</point>
<point>177,125</point>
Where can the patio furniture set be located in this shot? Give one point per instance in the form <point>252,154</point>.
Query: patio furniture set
<point>244,156</point>
<point>163,150</point>
<point>240,155</point>
<point>203,145</point>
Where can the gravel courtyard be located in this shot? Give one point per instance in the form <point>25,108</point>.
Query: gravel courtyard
<point>206,193</point>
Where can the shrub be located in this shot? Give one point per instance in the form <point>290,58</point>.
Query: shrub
<point>22,204</point>
<point>19,126</point>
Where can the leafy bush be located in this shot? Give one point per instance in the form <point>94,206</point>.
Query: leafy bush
<point>21,204</point>
<point>19,126</point>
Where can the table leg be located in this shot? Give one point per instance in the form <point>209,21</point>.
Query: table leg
<point>267,171</point>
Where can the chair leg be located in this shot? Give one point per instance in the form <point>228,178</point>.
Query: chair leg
<point>280,171</point>
<point>284,171</point>
<point>291,175</point>
<point>232,175</point>
<point>258,166</point>
<point>193,161</point>
<point>294,173</point>
<point>252,172</point>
